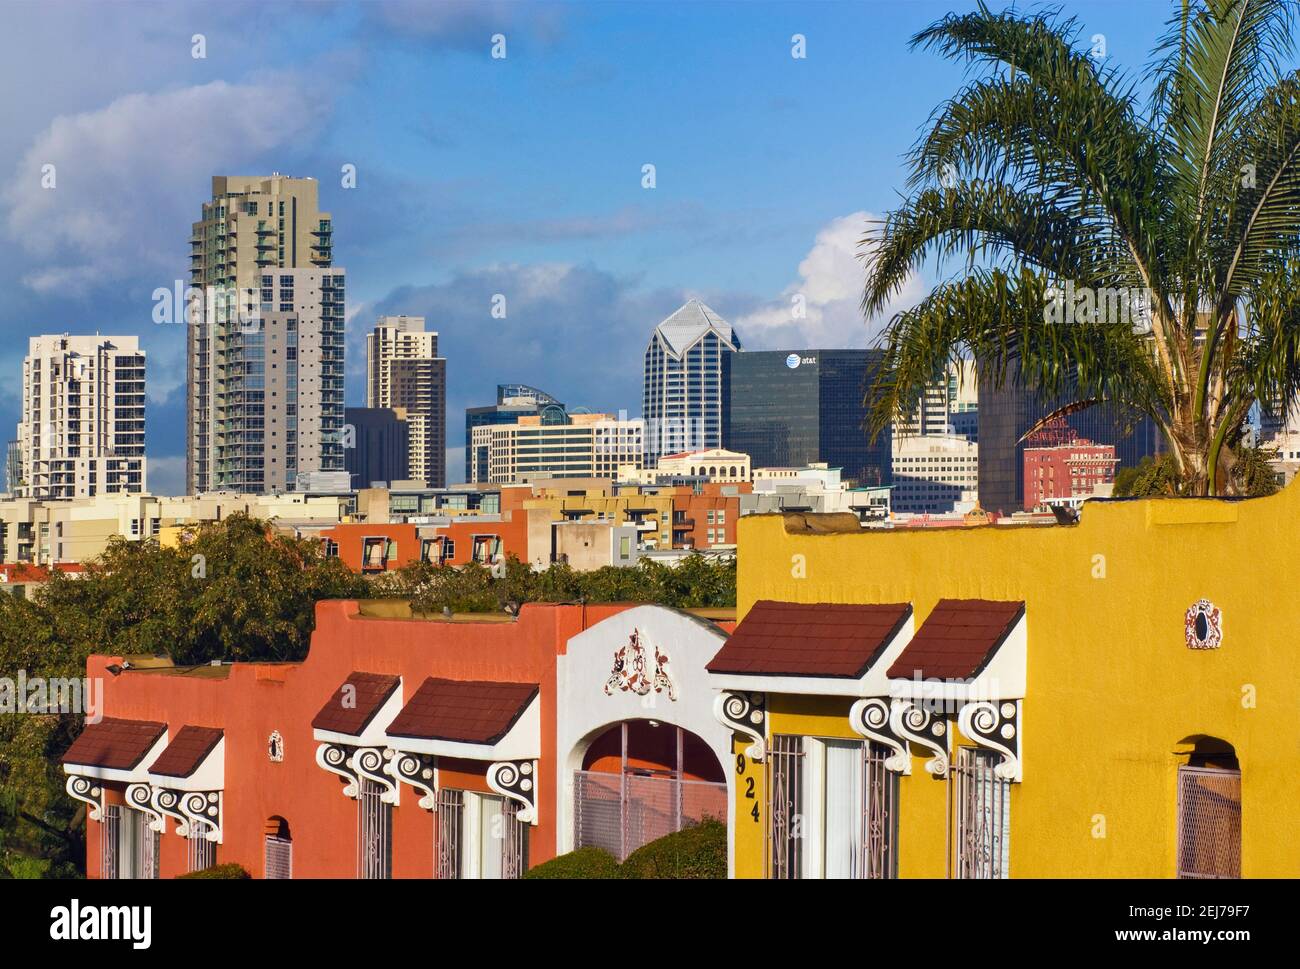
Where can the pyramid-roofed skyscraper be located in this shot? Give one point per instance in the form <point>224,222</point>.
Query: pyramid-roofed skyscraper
<point>683,394</point>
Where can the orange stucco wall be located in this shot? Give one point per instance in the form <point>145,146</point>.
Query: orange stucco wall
<point>255,699</point>
<point>351,539</point>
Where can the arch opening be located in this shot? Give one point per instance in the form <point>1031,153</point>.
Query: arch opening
<point>641,779</point>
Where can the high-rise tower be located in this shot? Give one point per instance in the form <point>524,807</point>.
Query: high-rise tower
<point>265,346</point>
<point>82,430</point>
<point>683,395</point>
<point>403,370</point>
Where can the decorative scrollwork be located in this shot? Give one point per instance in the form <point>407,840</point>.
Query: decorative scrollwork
<point>870,718</point>
<point>516,779</point>
<point>922,726</point>
<point>744,713</point>
<point>202,813</point>
<point>418,770</point>
<point>88,791</point>
<point>140,797</point>
<point>372,764</point>
<point>337,759</point>
<point>995,725</point>
<point>194,811</point>
<point>167,801</point>
<point>1203,625</point>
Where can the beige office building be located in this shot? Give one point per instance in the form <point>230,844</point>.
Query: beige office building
<point>252,227</point>
<point>583,446</point>
<point>934,474</point>
<point>403,370</point>
<point>82,428</point>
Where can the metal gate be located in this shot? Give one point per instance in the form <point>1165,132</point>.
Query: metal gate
<point>148,847</point>
<point>983,815</point>
<point>1209,822</point>
<point>879,814</point>
<point>108,839</point>
<point>448,815</point>
<point>374,832</point>
<point>786,855</point>
<point>514,856</point>
<point>279,857</point>
<point>621,812</point>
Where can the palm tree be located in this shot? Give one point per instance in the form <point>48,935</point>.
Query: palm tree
<point>1142,252</point>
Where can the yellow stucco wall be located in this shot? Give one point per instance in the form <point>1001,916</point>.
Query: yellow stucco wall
<point>1113,691</point>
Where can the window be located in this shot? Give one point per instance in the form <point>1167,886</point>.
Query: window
<point>279,849</point>
<point>983,803</point>
<point>833,810</point>
<point>373,553</point>
<point>487,548</point>
<point>201,853</point>
<point>837,778</point>
<point>129,847</point>
<point>1209,822</point>
<point>480,836</point>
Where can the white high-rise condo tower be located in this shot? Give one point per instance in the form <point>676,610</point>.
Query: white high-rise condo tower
<point>266,340</point>
<point>82,429</point>
<point>403,370</point>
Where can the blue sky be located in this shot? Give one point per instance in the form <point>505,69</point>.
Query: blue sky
<point>475,176</point>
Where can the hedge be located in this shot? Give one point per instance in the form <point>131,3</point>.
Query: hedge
<point>583,863</point>
<point>699,851</point>
<point>695,852</point>
<point>231,870</point>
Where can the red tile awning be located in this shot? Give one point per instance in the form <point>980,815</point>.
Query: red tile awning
<point>114,744</point>
<point>354,704</point>
<point>810,639</point>
<point>186,751</point>
<point>463,711</point>
<point>957,639</point>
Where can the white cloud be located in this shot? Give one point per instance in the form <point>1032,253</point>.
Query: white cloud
<point>137,166</point>
<point>829,287</point>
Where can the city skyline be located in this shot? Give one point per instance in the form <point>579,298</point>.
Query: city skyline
<point>468,194</point>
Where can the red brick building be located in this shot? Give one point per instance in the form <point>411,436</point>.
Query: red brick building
<point>1067,472</point>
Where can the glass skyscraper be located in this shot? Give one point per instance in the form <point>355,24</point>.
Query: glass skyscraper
<point>789,408</point>
<point>683,396</point>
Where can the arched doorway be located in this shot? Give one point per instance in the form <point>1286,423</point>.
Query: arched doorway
<point>642,779</point>
<point>1209,810</point>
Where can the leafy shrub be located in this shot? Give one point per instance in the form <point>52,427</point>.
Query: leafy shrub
<point>696,852</point>
<point>583,863</point>
<point>230,870</point>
